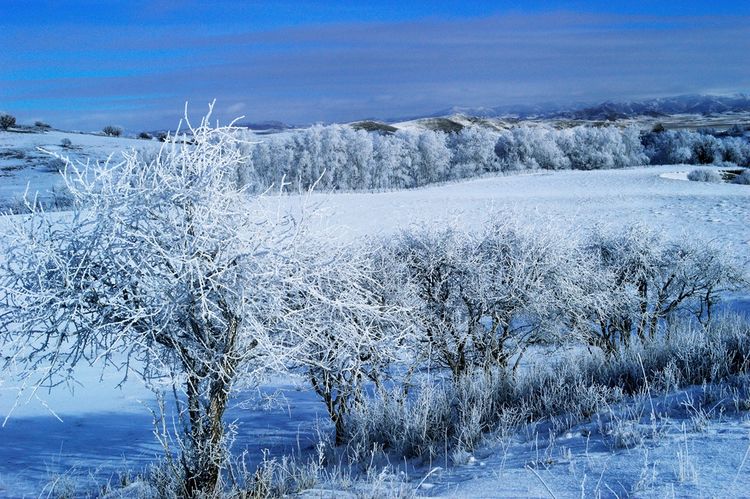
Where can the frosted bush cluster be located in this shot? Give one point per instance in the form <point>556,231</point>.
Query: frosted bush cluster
<point>482,300</point>
<point>743,178</point>
<point>703,175</point>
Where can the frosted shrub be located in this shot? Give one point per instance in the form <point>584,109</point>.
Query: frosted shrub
<point>637,280</point>
<point>112,131</point>
<point>704,175</point>
<point>438,416</point>
<point>483,298</point>
<point>56,165</point>
<point>743,178</point>
<point>480,299</point>
<point>354,329</point>
<point>435,263</point>
<point>7,121</point>
<point>525,282</point>
<point>443,416</point>
<point>473,152</point>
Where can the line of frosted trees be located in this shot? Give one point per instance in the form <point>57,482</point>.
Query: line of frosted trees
<point>341,157</point>
<point>696,148</point>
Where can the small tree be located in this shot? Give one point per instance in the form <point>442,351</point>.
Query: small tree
<point>165,269</point>
<point>522,288</point>
<point>354,328</point>
<point>145,136</point>
<point>112,131</point>
<point>7,121</point>
<point>743,178</point>
<point>638,279</point>
<point>434,263</point>
<point>484,297</point>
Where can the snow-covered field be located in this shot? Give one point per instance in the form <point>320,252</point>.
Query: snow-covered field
<point>575,199</point>
<point>25,158</point>
<point>97,429</point>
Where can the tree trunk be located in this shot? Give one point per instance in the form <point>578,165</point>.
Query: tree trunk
<point>203,467</point>
<point>643,321</point>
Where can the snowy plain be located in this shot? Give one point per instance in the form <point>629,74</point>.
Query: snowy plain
<point>94,429</point>
<point>25,158</point>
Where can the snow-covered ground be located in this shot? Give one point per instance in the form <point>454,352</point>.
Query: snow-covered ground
<point>98,429</point>
<point>679,452</point>
<point>570,198</point>
<point>25,158</point>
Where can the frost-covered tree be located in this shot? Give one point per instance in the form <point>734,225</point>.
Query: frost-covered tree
<point>360,153</point>
<point>706,149</point>
<point>528,147</point>
<point>7,121</point>
<point>669,147</point>
<point>167,270</point>
<point>388,156</point>
<point>482,298</point>
<point>700,147</point>
<point>638,279</point>
<point>542,149</point>
<point>473,152</point>
<point>581,148</point>
<point>112,131</point>
<point>355,327</point>
<point>594,148</point>
<point>426,157</point>
<point>736,150</point>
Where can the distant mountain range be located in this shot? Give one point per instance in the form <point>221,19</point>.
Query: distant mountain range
<point>266,125</point>
<point>610,111</point>
<point>684,104</point>
<point>606,111</point>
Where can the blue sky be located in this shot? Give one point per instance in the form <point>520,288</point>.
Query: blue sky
<point>84,64</point>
